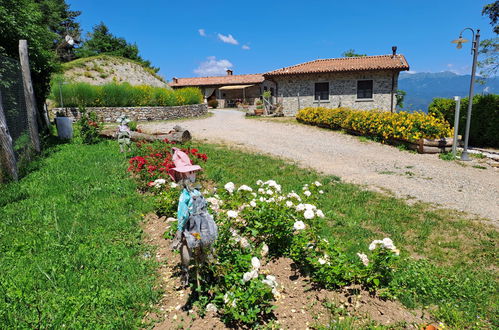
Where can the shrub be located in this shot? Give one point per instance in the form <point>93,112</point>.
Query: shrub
<point>484,128</point>
<point>121,95</point>
<point>89,127</point>
<point>213,104</point>
<point>384,125</point>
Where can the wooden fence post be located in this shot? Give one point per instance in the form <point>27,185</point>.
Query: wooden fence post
<point>29,95</point>
<point>6,150</point>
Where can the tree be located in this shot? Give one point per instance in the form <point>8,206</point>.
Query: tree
<point>62,21</point>
<point>400,98</point>
<point>489,48</point>
<point>102,41</point>
<point>351,53</point>
<point>23,19</point>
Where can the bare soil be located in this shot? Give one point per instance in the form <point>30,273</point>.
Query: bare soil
<point>301,305</point>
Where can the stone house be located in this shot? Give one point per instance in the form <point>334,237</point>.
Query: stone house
<point>230,89</point>
<point>368,82</point>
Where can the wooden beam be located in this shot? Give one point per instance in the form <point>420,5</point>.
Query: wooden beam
<point>7,156</point>
<point>29,95</point>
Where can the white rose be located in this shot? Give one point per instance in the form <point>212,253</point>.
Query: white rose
<point>321,191</point>
<point>261,199</point>
<point>173,185</point>
<point>310,207</point>
<point>319,213</point>
<point>321,261</point>
<point>253,203</point>
<point>229,186</point>
<point>261,191</point>
<point>265,250</point>
<point>160,181</point>
<point>250,275</point>
<point>253,194</point>
<point>317,183</point>
<point>243,243</point>
<point>388,243</point>
<point>232,214</point>
<point>245,188</point>
<point>299,225</point>
<point>374,243</point>
<point>363,258</point>
<point>307,193</point>
<point>300,207</point>
<point>269,192</point>
<point>255,262</point>
<point>259,182</point>
<point>308,214</point>
<point>289,203</point>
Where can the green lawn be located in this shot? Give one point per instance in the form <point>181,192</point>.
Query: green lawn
<point>70,246</point>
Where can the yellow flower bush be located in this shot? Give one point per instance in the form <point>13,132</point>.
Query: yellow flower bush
<point>385,125</point>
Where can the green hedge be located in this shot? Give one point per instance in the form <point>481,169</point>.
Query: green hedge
<point>484,128</point>
<point>382,124</point>
<point>122,95</point>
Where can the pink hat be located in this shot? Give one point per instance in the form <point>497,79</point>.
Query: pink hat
<point>183,162</point>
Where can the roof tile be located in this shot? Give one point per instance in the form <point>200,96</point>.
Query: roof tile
<point>219,80</point>
<point>381,62</point>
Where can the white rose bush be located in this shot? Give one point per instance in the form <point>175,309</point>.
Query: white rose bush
<point>259,223</point>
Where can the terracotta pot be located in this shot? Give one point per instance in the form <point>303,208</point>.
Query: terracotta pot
<point>258,112</point>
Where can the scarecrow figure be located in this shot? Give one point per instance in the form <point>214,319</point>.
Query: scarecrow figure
<point>196,230</point>
<point>123,133</point>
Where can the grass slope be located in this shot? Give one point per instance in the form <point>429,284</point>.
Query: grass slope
<point>454,264</point>
<point>70,244</point>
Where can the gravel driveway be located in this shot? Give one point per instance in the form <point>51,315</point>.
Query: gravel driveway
<point>380,167</point>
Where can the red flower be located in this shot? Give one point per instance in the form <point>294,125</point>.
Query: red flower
<point>151,183</point>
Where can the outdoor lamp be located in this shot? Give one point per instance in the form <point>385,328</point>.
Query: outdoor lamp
<point>459,41</point>
<point>474,52</point>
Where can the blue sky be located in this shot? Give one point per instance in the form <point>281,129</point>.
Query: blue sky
<point>192,38</point>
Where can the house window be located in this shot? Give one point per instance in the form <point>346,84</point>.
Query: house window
<point>364,89</point>
<point>322,91</point>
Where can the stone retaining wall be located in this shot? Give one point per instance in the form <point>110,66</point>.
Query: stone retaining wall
<point>110,114</point>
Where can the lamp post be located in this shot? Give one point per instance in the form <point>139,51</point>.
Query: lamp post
<point>474,52</point>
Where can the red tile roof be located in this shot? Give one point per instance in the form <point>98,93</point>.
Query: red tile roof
<point>381,62</point>
<point>219,80</point>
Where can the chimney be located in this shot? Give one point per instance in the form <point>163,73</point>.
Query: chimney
<point>229,72</point>
<point>394,51</point>
<point>175,80</point>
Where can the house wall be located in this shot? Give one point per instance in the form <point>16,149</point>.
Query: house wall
<point>342,90</point>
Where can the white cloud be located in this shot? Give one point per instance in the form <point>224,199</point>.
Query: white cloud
<point>202,32</point>
<point>411,72</point>
<point>246,47</point>
<point>228,39</point>
<point>213,67</point>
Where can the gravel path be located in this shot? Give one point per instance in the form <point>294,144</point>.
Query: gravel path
<point>380,167</point>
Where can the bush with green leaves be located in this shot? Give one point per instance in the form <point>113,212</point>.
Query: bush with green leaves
<point>121,95</point>
<point>89,127</point>
<point>484,128</point>
<point>213,104</point>
<point>256,225</point>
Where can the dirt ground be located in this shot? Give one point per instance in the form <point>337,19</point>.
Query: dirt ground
<point>301,306</point>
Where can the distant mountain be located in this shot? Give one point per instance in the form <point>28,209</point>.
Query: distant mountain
<point>422,87</point>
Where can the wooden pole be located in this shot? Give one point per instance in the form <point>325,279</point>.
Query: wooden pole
<point>6,149</point>
<point>29,95</point>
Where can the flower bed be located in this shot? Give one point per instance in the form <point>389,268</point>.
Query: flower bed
<point>413,128</point>
<point>257,224</point>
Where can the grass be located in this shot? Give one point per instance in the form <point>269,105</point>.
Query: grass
<point>70,244</point>
<point>457,264</point>
<point>82,63</point>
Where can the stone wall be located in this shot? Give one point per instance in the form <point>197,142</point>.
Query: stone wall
<point>110,114</point>
<point>342,90</point>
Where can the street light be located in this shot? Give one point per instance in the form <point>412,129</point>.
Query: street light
<point>474,52</point>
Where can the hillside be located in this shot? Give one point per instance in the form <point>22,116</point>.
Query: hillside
<point>422,87</point>
<point>98,70</point>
